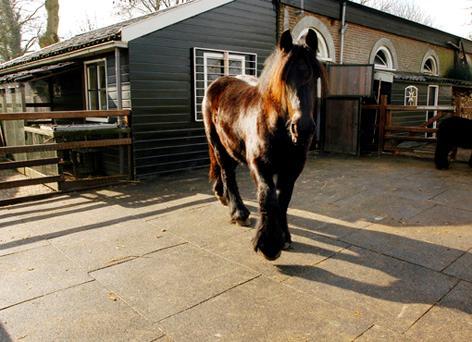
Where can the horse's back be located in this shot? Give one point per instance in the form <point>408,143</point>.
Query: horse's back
<point>232,95</point>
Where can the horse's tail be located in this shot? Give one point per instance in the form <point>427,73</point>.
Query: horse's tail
<point>214,171</point>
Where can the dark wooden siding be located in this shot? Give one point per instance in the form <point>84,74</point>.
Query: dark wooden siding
<point>166,137</point>
<point>415,118</point>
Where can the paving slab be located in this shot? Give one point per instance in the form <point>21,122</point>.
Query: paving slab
<point>379,333</point>
<point>462,267</point>
<point>407,243</point>
<point>17,238</point>
<point>170,281</point>
<point>202,225</point>
<point>36,272</point>
<point>86,312</point>
<point>108,245</point>
<point>451,320</point>
<point>306,250</point>
<point>264,310</point>
<point>394,292</point>
<point>456,197</point>
<point>378,206</point>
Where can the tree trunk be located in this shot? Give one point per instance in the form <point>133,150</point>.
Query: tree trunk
<point>50,36</point>
<point>10,35</point>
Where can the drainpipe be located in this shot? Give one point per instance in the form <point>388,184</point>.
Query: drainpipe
<point>342,30</point>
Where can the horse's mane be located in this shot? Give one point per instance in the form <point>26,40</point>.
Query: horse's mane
<point>271,85</point>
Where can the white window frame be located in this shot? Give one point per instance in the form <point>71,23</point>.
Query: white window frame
<point>436,103</point>
<point>389,60</point>
<point>217,53</point>
<point>435,70</point>
<point>323,53</point>
<point>86,85</point>
<point>221,55</point>
<point>405,101</point>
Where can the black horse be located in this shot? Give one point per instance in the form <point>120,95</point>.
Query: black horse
<point>268,125</point>
<point>453,132</point>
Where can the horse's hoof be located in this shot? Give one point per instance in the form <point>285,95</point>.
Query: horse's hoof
<point>287,246</point>
<point>242,222</point>
<point>223,200</point>
<point>272,258</point>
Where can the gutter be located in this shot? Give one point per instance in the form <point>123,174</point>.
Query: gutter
<point>88,51</point>
<point>343,29</point>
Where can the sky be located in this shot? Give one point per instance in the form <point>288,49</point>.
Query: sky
<point>448,15</point>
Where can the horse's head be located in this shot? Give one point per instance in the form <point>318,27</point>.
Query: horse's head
<point>300,73</point>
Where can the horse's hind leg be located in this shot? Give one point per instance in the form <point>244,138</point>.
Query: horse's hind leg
<point>239,212</point>
<point>215,176</point>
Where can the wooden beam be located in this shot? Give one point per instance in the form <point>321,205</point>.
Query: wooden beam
<point>411,129</point>
<point>410,138</point>
<point>30,198</point>
<point>32,181</point>
<point>64,114</point>
<point>65,146</point>
<point>28,163</point>
<point>420,108</point>
<point>438,116</point>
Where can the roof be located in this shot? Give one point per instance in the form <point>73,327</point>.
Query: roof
<point>31,73</point>
<point>123,31</point>
<point>417,77</point>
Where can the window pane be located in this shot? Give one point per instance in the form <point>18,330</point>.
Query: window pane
<point>93,100</point>
<point>102,73</point>
<point>92,77</point>
<point>103,100</point>
<point>235,67</point>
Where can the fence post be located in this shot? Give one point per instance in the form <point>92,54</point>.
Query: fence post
<point>382,122</point>
<point>458,105</point>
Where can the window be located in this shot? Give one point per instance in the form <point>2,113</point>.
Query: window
<point>211,64</point>
<point>430,66</point>
<point>322,54</point>
<point>96,85</point>
<point>411,96</point>
<point>383,59</point>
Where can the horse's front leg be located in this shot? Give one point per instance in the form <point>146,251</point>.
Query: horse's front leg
<point>285,184</point>
<point>269,237</point>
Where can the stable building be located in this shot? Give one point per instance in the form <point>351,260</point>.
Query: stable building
<point>159,66</point>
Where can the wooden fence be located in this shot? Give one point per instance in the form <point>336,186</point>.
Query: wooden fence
<point>123,140</point>
<point>391,135</point>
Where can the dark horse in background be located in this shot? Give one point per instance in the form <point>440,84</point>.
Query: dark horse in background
<point>268,125</point>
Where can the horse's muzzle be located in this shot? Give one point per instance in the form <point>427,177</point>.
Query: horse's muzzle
<point>301,130</point>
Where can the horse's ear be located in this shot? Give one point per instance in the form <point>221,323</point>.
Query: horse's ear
<point>286,42</point>
<point>311,40</point>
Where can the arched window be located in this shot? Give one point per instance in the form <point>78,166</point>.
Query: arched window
<point>383,55</point>
<point>383,58</point>
<point>326,48</point>
<point>430,66</point>
<point>411,96</point>
<point>322,53</point>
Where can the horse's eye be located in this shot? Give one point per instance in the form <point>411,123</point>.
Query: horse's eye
<point>303,67</point>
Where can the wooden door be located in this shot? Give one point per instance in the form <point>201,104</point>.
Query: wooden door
<point>342,125</point>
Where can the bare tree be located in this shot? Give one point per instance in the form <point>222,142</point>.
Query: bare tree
<point>50,36</point>
<point>19,27</point>
<point>402,8</point>
<point>132,8</point>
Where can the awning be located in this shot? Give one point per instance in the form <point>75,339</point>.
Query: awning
<point>34,73</point>
<point>430,79</point>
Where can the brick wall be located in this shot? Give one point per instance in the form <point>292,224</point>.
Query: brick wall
<point>359,41</point>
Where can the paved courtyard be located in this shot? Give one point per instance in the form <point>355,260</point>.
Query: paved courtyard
<point>382,252</point>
